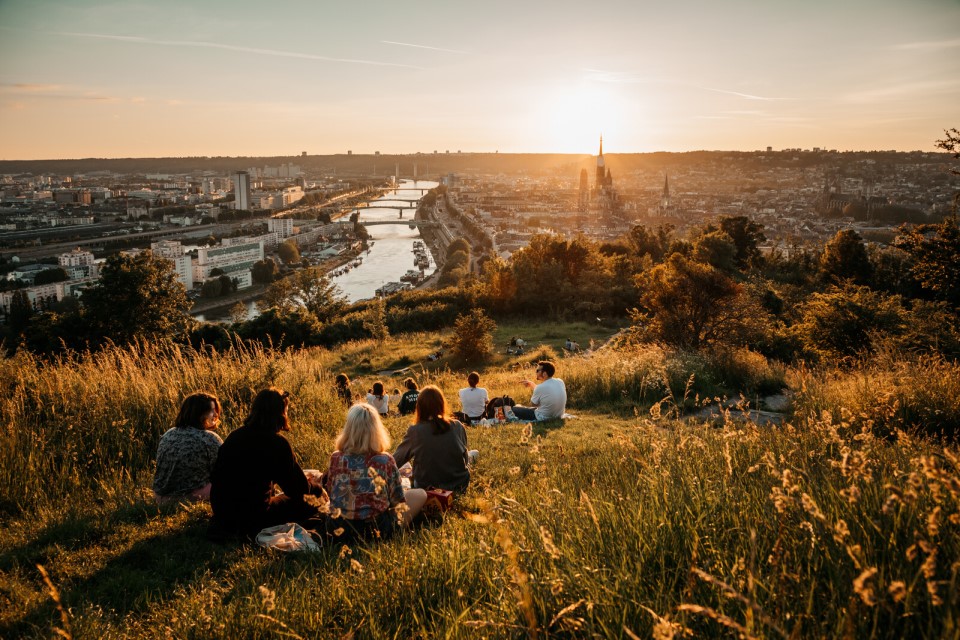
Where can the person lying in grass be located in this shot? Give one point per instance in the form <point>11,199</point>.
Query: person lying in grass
<point>187,453</point>
<point>253,460</point>
<point>437,445</point>
<point>363,481</point>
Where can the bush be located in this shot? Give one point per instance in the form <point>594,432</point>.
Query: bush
<point>472,339</point>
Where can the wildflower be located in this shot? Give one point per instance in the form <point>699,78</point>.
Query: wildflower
<point>514,471</point>
<point>547,538</point>
<point>345,550</point>
<point>811,507</point>
<point>897,590</point>
<point>929,567</point>
<point>355,565</point>
<point>268,597</point>
<point>335,513</point>
<point>862,587</point>
<point>840,531</point>
<point>933,522</point>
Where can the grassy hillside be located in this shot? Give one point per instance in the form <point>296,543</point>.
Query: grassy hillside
<point>629,520</point>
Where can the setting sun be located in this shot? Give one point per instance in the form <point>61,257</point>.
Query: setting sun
<point>573,118</point>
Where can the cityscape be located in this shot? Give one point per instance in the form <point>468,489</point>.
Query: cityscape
<point>387,320</point>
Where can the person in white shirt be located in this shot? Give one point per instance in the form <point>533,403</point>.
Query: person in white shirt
<point>549,398</point>
<point>378,399</point>
<point>473,399</point>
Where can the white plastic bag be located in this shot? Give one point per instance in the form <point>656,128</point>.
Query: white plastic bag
<point>287,537</point>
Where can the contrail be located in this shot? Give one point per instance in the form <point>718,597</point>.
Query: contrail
<point>230,47</point>
<point>737,93</point>
<point>421,46</point>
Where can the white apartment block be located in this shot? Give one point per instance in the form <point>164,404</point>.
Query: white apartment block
<point>283,226</point>
<point>167,248</point>
<point>231,259</point>
<point>270,240</point>
<point>76,258</point>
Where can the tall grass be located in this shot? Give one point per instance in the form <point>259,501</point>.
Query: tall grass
<point>599,527</point>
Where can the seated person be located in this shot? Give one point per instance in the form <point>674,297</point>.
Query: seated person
<point>363,481</point>
<point>437,445</point>
<point>378,399</point>
<point>408,402</point>
<point>549,398</point>
<point>343,389</point>
<point>187,453</point>
<point>473,399</point>
<point>252,461</point>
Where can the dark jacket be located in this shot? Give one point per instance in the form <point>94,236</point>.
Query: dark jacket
<point>249,463</point>
<point>439,459</point>
<point>408,402</point>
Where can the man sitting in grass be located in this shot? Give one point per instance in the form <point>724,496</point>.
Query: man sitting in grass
<point>549,398</point>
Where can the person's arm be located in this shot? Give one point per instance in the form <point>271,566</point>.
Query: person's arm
<point>288,473</point>
<point>535,398</point>
<point>394,488</point>
<point>404,452</point>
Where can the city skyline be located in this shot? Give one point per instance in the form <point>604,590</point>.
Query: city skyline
<point>145,79</point>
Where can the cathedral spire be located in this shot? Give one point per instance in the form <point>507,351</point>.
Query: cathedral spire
<point>601,145</point>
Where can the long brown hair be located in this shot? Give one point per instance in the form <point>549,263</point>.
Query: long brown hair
<point>432,407</point>
<point>269,411</point>
<point>194,407</point>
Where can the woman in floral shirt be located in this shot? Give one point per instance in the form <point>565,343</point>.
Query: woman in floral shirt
<point>187,452</point>
<point>363,481</point>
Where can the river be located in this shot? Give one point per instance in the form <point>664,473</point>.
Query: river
<point>389,257</point>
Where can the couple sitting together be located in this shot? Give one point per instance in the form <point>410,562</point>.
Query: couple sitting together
<point>362,483</point>
<point>549,398</point>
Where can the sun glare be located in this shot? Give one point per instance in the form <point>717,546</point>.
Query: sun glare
<point>575,117</point>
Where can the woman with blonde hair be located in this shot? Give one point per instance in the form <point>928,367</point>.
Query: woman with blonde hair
<point>366,497</point>
<point>437,445</point>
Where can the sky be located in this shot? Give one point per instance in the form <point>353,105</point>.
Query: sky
<point>149,78</point>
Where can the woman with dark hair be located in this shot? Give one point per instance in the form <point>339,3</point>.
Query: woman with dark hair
<point>253,460</point>
<point>437,445</point>
<point>187,453</point>
<point>378,399</point>
<point>473,399</point>
<point>408,403</point>
<point>343,389</point>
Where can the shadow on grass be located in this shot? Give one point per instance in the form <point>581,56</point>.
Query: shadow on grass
<point>150,570</point>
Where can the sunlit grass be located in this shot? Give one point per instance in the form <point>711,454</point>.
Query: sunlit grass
<point>611,522</point>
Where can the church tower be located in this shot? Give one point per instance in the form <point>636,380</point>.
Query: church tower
<point>601,176</point>
<point>665,198</point>
<point>583,202</point>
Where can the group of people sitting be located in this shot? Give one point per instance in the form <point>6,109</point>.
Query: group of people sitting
<point>360,495</point>
<point>549,398</point>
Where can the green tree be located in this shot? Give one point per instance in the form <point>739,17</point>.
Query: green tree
<point>308,288</point>
<point>844,322</point>
<point>212,288</point>
<point>289,252</point>
<point>49,276</point>
<point>265,271</point>
<point>652,243</point>
<point>472,339</point>
<point>690,304</point>
<point>137,296</point>
<point>238,313</point>
<point>20,311</point>
<point>747,236</point>
<point>716,248</point>
<point>845,258</point>
<point>935,250</point>
<point>375,321</point>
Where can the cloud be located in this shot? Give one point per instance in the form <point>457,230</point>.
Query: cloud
<point>930,45</point>
<point>910,90</point>
<point>229,47</point>
<point>422,46</point>
<point>28,87</point>
<point>746,96</point>
<point>619,77</point>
